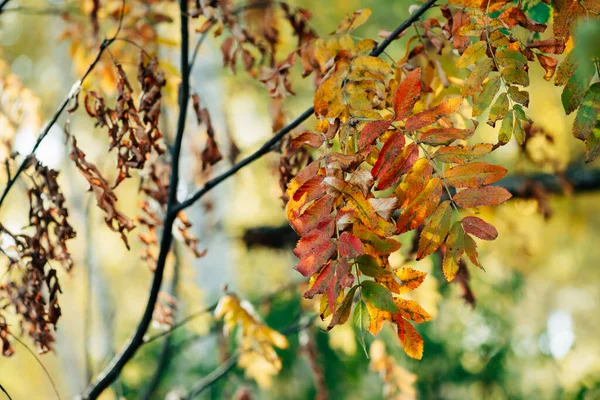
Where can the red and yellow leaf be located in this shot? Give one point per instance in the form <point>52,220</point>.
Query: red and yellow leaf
<point>483,196</point>
<point>436,230</point>
<point>421,207</point>
<point>408,93</point>
<point>474,174</point>
<point>430,116</point>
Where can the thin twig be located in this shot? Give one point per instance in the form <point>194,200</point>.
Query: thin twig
<point>5,392</point>
<point>37,359</point>
<point>269,144</point>
<point>113,369</point>
<point>74,90</point>
<point>3,3</point>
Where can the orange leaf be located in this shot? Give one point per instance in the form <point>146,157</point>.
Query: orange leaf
<point>388,153</point>
<point>422,206</point>
<point>483,196</point>
<point>408,93</point>
<point>445,136</point>
<point>549,64</point>
<point>410,309</point>
<point>378,317</point>
<point>414,182</point>
<point>315,213</point>
<point>366,213</point>
<point>378,244</point>
<point>410,278</point>
<point>390,172</point>
<point>431,115</point>
<point>412,342</point>
<point>471,250</point>
<point>343,311</point>
<point>435,231</point>
<point>478,227</point>
<point>474,174</point>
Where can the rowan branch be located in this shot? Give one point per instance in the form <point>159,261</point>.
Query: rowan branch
<point>113,370</point>
<point>269,144</point>
<point>3,3</point>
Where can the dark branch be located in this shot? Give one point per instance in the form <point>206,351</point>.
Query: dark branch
<point>112,371</point>
<point>5,392</point>
<point>269,145</point>
<point>576,179</point>
<point>3,3</point>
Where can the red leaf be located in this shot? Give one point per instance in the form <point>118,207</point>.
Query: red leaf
<point>371,132</point>
<point>391,172</point>
<point>316,259</point>
<point>408,93</point>
<point>478,227</point>
<point>431,115</point>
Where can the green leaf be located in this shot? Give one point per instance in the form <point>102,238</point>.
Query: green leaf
<point>499,109</point>
<point>519,96</point>
<point>511,59</point>
<point>588,112</point>
<point>361,320</point>
<point>378,296</point>
<point>368,265</point>
<point>483,100</point>
<point>575,90</point>
<point>506,130</point>
<point>515,76</point>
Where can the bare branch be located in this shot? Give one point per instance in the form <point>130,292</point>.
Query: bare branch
<point>269,144</point>
<point>113,370</point>
<point>5,392</point>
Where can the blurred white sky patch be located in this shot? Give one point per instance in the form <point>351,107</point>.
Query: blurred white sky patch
<point>560,333</point>
<point>50,152</point>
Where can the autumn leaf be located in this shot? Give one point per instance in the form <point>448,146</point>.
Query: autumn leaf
<point>499,109</point>
<point>342,313</point>
<point>377,317</point>
<point>378,244</point>
<point>445,136</point>
<point>474,52</point>
<point>474,174</point>
<point>369,266</point>
<point>478,227</point>
<point>435,230</point>
<point>318,256</point>
<point>412,342</point>
<point>409,91</point>
<point>420,208</point>
<point>471,251</point>
<point>455,247</point>
<point>481,71</point>
<point>461,154</point>
<point>431,115</point>
<point>414,182</point>
<point>366,213</point>
<point>353,21</point>
<point>371,132</point>
<point>483,196</point>
<point>388,171</point>
<point>410,279</point>
<point>548,63</point>
<point>411,310</point>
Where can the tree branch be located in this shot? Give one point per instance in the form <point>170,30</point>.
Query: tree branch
<point>74,89</point>
<point>3,3</point>
<point>269,144</point>
<point>112,371</point>
<point>5,392</point>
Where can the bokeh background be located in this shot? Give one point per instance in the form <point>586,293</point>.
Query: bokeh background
<point>534,332</point>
